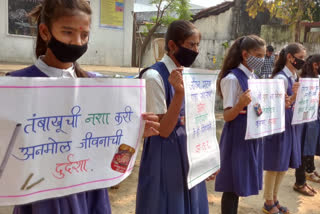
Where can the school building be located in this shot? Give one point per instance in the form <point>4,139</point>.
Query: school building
<point>110,38</point>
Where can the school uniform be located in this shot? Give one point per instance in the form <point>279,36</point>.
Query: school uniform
<point>90,202</point>
<point>283,150</point>
<point>162,184</point>
<point>318,141</point>
<point>309,134</point>
<point>241,160</point>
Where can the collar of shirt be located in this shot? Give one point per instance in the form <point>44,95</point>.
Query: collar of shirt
<point>287,71</point>
<point>249,74</point>
<point>54,72</point>
<point>169,63</point>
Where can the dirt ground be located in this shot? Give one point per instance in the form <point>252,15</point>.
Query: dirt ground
<point>123,199</point>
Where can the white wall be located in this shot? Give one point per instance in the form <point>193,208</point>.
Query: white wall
<point>106,47</point>
<point>216,27</point>
<point>312,48</point>
<point>215,30</point>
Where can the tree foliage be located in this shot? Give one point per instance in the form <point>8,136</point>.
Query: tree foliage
<point>171,10</point>
<point>291,12</point>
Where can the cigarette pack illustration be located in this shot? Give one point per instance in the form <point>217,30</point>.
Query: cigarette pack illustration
<point>122,158</point>
<point>257,109</point>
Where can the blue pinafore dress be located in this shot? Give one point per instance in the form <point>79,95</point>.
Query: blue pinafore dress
<point>283,150</point>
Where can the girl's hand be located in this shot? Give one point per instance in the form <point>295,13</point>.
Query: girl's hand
<point>245,99</point>
<point>213,176</point>
<point>295,88</point>
<point>287,101</point>
<point>176,80</point>
<point>152,124</point>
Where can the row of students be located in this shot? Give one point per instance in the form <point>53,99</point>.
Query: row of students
<point>243,161</point>
<point>63,34</point>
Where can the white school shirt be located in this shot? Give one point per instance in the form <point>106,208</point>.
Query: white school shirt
<point>231,89</point>
<point>292,76</point>
<point>55,72</point>
<point>156,93</point>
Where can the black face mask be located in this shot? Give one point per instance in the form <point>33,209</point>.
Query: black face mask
<point>66,53</point>
<point>185,56</point>
<point>298,63</point>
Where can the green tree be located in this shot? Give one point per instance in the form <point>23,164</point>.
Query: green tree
<point>291,12</point>
<point>316,11</point>
<point>167,12</point>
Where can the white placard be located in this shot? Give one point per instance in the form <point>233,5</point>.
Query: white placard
<point>67,135</point>
<point>268,98</point>
<point>307,101</point>
<point>203,148</point>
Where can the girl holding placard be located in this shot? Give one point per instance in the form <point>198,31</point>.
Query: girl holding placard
<point>282,151</point>
<point>241,160</point>
<point>162,185</point>
<point>309,135</point>
<point>63,35</point>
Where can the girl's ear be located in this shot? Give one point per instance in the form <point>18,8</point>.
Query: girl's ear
<point>44,32</point>
<point>315,66</point>
<point>172,47</point>
<point>245,55</point>
<point>290,58</point>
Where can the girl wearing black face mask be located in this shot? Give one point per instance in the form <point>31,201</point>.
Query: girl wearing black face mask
<point>63,34</point>
<point>162,185</point>
<point>282,151</point>
<point>59,30</point>
<point>310,136</point>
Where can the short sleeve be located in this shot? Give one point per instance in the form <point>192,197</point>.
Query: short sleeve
<point>230,89</point>
<point>281,77</point>
<point>156,99</point>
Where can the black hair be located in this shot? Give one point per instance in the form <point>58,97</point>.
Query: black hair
<point>307,69</point>
<point>178,31</point>
<point>270,48</point>
<point>292,49</point>
<point>50,10</point>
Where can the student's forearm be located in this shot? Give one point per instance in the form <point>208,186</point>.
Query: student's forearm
<point>292,98</point>
<point>169,121</point>
<point>231,113</point>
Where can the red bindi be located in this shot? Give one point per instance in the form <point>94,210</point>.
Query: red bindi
<point>80,28</point>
